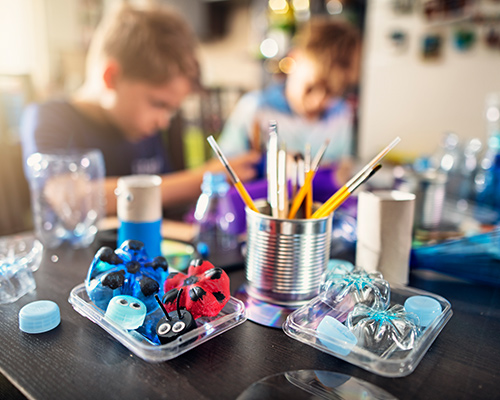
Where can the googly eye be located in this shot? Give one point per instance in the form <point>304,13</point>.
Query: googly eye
<point>122,302</point>
<point>178,326</point>
<point>163,329</point>
<point>135,306</point>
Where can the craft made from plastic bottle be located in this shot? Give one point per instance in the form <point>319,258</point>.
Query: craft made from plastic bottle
<point>344,289</point>
<point>126,271</point>
<point>384,331</point>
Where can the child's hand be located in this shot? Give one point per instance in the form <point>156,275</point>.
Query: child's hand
<point>245,165</point>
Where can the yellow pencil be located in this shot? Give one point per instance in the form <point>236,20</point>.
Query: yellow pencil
<point>236,181</point>
<point>297,201</point>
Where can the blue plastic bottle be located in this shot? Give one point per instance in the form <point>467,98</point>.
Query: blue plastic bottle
<point>215,216</point>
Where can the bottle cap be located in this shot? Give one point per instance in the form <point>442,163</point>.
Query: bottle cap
<point>39,316</point>
<point>426,308</point>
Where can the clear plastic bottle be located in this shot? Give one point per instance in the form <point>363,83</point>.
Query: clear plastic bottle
<point>215,216</point>
<point>447,160</point>
<point>487,180</point>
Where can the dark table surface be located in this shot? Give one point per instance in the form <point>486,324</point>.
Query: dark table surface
<point>79,360</point>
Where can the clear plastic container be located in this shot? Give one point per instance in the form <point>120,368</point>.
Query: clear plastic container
<point>20,256</point>
<point>23,248</point>
<point>303,322</point>
<point>233,314</point>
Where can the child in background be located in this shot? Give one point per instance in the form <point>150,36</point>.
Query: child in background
<point>308,106</point>
<point>140,67</point>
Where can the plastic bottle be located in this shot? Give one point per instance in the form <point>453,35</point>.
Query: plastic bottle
<point>215,216</point>
<point>447,160</point>
<point>487,180</point>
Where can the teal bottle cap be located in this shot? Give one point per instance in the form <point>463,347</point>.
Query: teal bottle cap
<point>426,308</point>
<point>39,316</point>
<point>126,311</point>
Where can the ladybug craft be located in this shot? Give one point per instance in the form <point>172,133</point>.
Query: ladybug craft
<point>205,290</point>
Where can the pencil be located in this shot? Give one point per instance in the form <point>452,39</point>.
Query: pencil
<point>367,167</point>
<point>297,201</point>
<point>236,181</point>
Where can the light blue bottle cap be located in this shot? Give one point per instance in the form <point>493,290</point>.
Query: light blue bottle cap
<point>334,335</point>
<point>126,311</point>
<point>426,308</point>
<point>39,316</point>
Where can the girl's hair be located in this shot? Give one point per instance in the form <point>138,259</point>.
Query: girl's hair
<point>334,44</point>
<point>154,44</point>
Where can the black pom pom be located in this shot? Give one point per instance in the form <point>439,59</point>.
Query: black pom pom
<point>114,280</point>
<point>133,267</point>
<point>160,262</point>
<point>107,255</point>
<point>149,286</point>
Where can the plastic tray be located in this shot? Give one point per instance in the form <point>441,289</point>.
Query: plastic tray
<point>233,314</point>
<point>301,325</point>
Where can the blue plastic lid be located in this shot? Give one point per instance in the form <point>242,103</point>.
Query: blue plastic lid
<point>334,335</point>
<point>39,316</point>
<point>426,308</point>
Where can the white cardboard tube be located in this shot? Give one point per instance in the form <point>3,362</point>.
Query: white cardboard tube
<point>385,224</point>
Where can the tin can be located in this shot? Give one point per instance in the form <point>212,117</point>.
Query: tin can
<point>285,258</point>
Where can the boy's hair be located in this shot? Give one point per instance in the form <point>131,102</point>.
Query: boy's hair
<point>334,44</point>
<point>152,44</point>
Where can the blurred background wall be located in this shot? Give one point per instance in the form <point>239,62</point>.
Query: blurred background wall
<point>424,76</point>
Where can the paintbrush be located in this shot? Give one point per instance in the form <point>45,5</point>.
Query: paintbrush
<point>236,181</point>
<point>366,168</point>
<point>340,199</point>
<point>297,201</point>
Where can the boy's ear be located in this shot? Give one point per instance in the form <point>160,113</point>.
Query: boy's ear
<point>111,74</point>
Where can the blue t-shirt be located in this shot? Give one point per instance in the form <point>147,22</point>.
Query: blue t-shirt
<point>57,125</point>
<point>260,107</point>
